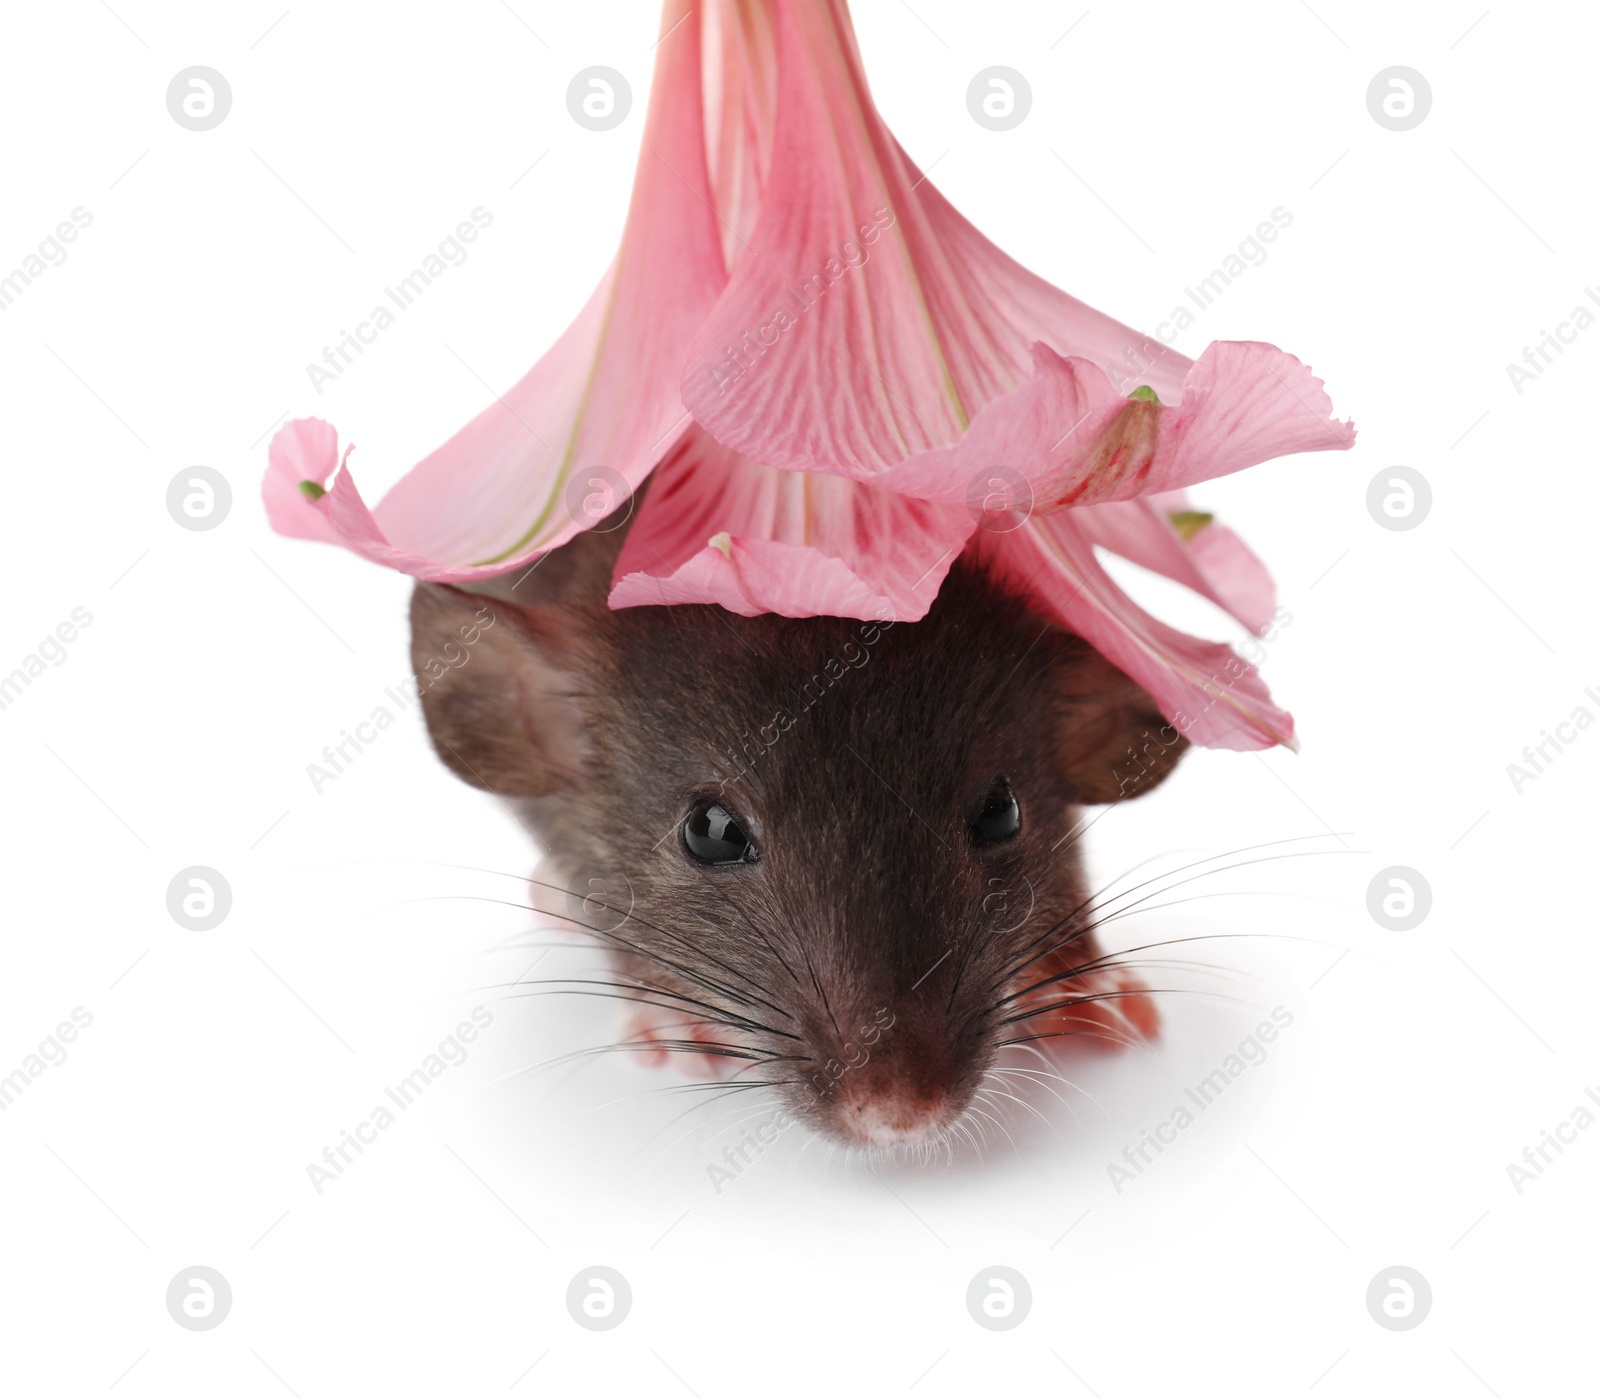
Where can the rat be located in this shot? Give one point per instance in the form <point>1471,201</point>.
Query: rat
<point>838,857</point>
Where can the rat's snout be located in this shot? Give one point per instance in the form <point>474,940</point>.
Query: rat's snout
<point>906,1087</point>
<point>891,1119</point>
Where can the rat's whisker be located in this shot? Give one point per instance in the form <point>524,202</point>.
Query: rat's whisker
<point>1166,882</point>
<point>1110,906</point>
<point>1111,959</point>
<point>633,915</point>
<point>1142,1042</point>
<point>1050,1071</point>
<point>974,1110</point>
<point>687,972</point>
<point>754,925</point>
<point>794,1161</point>
<point>1093,998</point>
<point>959,1127</point>
<point>641,1093</point>
<point>704,1009</point>
<point>994,1091</point>
<point>594,1052</point>
<point>1098,921</point>
<point>749,1116</point>
<point>760,996</point>
<point>710,1016</point>
<point>1097,1032</point>
<point>1041,1080</point>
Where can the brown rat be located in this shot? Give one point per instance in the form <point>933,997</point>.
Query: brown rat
<point>836,856</point>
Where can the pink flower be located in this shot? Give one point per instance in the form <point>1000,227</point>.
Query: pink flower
<point>832,374</point>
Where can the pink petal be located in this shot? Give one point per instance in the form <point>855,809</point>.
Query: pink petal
<point>717,528</point>
<point>1239,581</point>
<point>869,321</point>
<point>1212,696</point>
<point>1215,563</point>
<point>741,90</point>
<point>306,449</point>
<point>870,325</point>
<point>1077,441</point>
<point>605,397</point>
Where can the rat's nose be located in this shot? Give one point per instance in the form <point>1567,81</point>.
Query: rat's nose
<point>906,1087</point>
<point>879,1119</point>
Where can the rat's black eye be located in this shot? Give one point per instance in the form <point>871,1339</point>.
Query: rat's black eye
<point>713,835</point>
<point>999,818</point>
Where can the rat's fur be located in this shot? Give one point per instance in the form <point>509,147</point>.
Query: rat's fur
<point>873,959</point>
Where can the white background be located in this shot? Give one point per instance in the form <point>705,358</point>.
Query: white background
<point>218,664</point>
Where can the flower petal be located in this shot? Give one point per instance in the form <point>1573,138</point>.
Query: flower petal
<point>1214,562</point>
<point>717,528</point>
<point>1239,581</point>
<point>741,81</point>
<point>869,321</point>
<point>304,450</point>
<point>1078,441</point>
<point>1212,696</point>
<point>605,397</point>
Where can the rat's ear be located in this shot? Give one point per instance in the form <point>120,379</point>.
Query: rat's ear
<point>497,686</point>
<point>1111,739</point>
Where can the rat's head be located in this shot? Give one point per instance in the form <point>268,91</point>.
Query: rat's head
<point>846,850</point>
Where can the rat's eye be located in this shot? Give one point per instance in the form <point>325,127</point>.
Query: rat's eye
<point>713,835</point>
<point>999,818</point>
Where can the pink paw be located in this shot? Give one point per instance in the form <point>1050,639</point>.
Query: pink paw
<point>1108,1004</point>
<point>657,1037</point>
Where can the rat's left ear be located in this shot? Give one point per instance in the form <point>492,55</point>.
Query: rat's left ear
<point>499,688</point>
<point>1112,742</point>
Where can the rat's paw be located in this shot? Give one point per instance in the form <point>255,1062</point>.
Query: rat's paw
<point>657,1038</point>
<point>1110,1003</point>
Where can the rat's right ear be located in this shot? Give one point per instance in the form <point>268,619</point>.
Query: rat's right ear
<point>1112,741</point>
<point>497,687</point>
